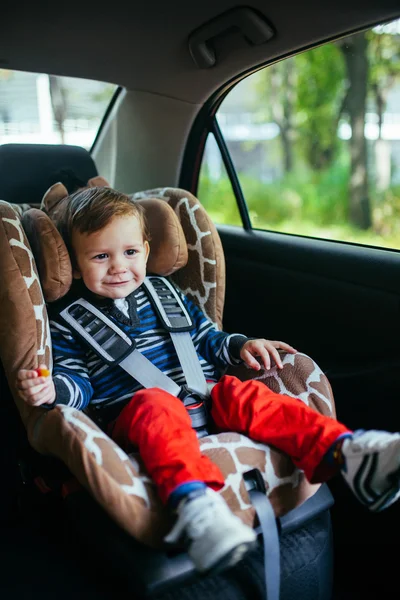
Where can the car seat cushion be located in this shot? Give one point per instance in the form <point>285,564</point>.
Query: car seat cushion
<point>301,378</point>
<point>118,481</point>
<point>24,329</point>
<point>203,278</point>
<point>120,484</point>
<point>52,199</point>
<point>51,255</point>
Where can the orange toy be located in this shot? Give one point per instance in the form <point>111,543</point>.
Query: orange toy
<point>42,372</point>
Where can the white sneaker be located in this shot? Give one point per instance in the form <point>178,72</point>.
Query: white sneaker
<point>215,537</point>
<point>372,467</point>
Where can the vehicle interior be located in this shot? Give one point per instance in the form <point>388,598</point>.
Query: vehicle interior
<point>171,71</point>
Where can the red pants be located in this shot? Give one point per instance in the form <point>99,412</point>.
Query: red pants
<point>158,424</point>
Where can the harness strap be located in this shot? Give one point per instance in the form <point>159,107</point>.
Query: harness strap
<point>178,322</point>
<point>113,346</point>
<point>147,374</point>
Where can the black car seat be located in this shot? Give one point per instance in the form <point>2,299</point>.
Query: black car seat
<point>305,533</point>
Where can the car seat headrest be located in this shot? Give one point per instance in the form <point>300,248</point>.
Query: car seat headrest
<point>51,255</point>
<point>168,248</point>
<point>28,170</point>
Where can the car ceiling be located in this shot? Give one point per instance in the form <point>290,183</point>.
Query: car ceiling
<point>144,46</point>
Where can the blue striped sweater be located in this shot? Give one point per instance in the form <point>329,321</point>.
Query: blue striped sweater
<point>83,380</point>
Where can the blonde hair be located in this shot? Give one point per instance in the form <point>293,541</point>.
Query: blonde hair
<point>91,209</point>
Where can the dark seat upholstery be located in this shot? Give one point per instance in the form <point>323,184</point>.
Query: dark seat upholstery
<point>28,170</point>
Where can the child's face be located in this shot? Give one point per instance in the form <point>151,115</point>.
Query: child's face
<point>112,261</point>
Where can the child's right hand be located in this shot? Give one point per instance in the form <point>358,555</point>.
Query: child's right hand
<point>35,389</point>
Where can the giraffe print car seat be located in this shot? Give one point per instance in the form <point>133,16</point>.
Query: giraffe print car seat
<point>35,269</point>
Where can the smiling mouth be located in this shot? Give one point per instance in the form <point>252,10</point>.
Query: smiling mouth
<point>116,283</point>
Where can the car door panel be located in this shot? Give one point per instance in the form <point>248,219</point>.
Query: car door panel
<point>337,302</point>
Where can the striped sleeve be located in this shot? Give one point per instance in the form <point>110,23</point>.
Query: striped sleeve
<point>217,347</point>
<point>70,372</point>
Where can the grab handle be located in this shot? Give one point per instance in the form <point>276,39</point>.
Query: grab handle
<point>249,22</point>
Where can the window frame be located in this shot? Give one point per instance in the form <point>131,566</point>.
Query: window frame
<point>106,116</point>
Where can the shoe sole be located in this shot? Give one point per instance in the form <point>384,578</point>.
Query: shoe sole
<point>231,558</point>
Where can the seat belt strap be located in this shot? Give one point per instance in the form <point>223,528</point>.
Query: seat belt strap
<point>178,322</point>
<point>190,362</point>
<point>115,347</point>
<point>268,524</point>
<point>112,345</point>
<point>147,374</point>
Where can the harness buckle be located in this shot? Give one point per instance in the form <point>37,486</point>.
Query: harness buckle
<point>196,406</point>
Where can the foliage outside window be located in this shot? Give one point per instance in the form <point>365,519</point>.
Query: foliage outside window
<point>215,189</point>
<point>315,140</point>
<point>47,109</point>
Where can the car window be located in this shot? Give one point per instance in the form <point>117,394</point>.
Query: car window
<point>47,109</point>
<point>215,191</point>
<point>315,141</point>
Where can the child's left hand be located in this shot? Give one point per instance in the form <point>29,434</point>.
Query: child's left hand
<point>265,349</point>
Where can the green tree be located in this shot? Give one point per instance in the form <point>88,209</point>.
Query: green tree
<point>277,84</point>
<point>355,52</point>
<point>281,101</point>
<point>304,97</point>
<point>309,96</point>
<point>319,103</point>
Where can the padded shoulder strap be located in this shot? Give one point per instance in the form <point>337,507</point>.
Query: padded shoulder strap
<point>178,322</point>
<point>113,346</point>
<point>168,304</point>
<point>111,343</point>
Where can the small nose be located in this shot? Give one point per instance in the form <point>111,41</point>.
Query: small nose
<point>117,266</point>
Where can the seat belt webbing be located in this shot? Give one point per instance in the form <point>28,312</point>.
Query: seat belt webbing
<point>115,347</point>
<point>190,363</point>
<point>147,374</point>
<point>269,529</point>
<point>111,343</point>
<point>178,322</point>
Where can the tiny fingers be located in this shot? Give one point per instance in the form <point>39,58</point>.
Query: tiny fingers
<point>266,350</point>
<point>25,374</point>
<point>26,384</point>
<point>275,355</point>
<point>32,392</point>
<point>284,346</point>
<point>39,393</point>
<point>264,354</point>
<point>250,360</point>
<point>45,397</point>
